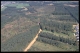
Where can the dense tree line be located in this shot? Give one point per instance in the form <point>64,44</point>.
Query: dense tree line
<point>53,42</point>
<point>63,10</point>
<point>56,26</point>
<point>60,10</point>
<point>56,13</point>
<point>32,10</point>
<point>54,37</point>
<point>46,40</point>
<point>65,18</point>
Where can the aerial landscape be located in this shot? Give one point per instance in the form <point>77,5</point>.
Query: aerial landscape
<point>39,26</point>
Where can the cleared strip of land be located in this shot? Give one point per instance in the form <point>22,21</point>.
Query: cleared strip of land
<point>31,43</point>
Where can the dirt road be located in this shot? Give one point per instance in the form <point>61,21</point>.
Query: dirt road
<point>31,43</point>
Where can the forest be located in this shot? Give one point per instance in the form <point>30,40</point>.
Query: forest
<point>73,12</point>
<point>56,26</point>
<point>43,36</point>
<point>19,41</point>
<point>19,26</point>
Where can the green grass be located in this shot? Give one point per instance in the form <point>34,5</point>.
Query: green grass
<point>66,46</point>
<point>45,47</point>
<point>41,46</point>
<point>2,9</point>
<point>18,5</point>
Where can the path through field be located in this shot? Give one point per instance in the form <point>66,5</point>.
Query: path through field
<point>31,43</point>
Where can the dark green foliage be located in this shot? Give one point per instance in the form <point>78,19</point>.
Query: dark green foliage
<point>60,10</point>
<point>46,40</point>
<point>53,37</point>
<point>56,13</point>
<point>32,10</point>
<point>56,26</point>
<point>66,18</point>
<point>74,12</point>
<point>52,30</point>
<point>67,10</point>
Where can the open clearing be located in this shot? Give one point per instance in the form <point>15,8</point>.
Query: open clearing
<point>16,27</point>
<point>41,46</point>
<point>44,47</point>
<point>18,5</point>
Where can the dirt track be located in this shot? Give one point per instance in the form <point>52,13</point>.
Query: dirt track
<point>31,43</point>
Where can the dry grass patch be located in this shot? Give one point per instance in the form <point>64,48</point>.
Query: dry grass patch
<point>17,26</point>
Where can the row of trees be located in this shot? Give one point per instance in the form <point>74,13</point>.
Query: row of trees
<point>60,10</point>
<point>54,37</point>
<point>56,13</point>
<point>61,23</point>
<point>32,10</point>
<point>74,12</point>
<point>46,40</point>
<point>63,10</point>
<point>56,26</point>
<point>65,18</point>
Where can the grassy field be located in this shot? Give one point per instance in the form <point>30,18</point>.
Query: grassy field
<point>41,46</point>
<point>44,47</point>
<point>2,9</point>
<point>18,5</point>
<point>16,27</point>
